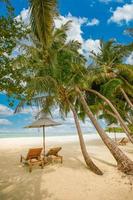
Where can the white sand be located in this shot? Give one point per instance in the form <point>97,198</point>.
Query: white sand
<point>71,180</point>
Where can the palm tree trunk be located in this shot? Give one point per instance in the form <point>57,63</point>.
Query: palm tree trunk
<point>121,121</point>
<point>87,158</point>
<point>127,98</point>
<point>123,162</point>
<point>110,113</point>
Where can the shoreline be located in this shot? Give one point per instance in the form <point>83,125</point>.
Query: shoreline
<point>18,142</point>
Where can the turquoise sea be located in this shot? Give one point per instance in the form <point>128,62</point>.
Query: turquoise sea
<point>37,134</point>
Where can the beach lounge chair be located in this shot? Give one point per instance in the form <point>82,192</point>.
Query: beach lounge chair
<point>33,157</point>
<point>123,141</point>
<point>53,154</point>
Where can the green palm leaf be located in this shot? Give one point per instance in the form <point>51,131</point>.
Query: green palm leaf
<point>42,19</point>
<point>109,88</point>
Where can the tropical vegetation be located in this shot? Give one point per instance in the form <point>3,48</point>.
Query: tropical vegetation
<point>12,32</point>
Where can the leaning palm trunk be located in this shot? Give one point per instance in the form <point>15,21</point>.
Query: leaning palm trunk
<point>87,159</point>
<point>127,98</point>
<point>123,162</point>
<point>122,123</point>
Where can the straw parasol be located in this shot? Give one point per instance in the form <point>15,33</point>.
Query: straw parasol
<point>43,122</point>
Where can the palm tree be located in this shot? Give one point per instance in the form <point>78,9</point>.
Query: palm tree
<point>126,98</point>
<point>87,159</point>
<point>119,118</point>
<point>110,58</point>
<point>55,79</point>
<point>123,162</point>
<point>115,76</point>
<point>42,13</point>
<point>59,77</point>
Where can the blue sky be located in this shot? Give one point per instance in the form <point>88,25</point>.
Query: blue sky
<point>92,20</point>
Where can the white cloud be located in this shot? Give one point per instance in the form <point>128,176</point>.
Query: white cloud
<point>108,1</point>
<point>105,1</point>
<point>130,59</point>
<point>32,111</point>
<point>25,16</point>
<point>5,122</point>
<point>75,32</point>
<point>122,14</point>
<point>90,45</point>
<point>27,110</point>
<point>5,111</point>
<point>93,22</point>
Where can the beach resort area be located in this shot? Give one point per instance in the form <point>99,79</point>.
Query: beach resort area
<point>68,180</point>
<point>66,100</point>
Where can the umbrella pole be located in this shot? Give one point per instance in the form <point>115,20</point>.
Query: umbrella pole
<point>115,137</point>
<point>44,139</point>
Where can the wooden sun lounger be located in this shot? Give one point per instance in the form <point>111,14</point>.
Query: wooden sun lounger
<point>33,157</point>
<point>53,154</point>
<point>123,141</point>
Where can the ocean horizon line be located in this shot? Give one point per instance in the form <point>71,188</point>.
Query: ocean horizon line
<point>39,134</point>
<point>73,134</point>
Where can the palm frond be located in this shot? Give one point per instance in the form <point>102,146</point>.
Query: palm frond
<point>109,88</point>
<point>42,19</point>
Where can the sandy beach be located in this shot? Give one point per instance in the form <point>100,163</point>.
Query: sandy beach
<point>71,180</point>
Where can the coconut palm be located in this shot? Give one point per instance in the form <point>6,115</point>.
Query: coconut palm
<point>63,78</point>
<point>123,162</point>
<point>88,161</point>
<point>116,113</point>
<point>54,78</point>
<point>115,77</point>
<point>42,13</point>
<point>65,101</point>
<point>110,59</point>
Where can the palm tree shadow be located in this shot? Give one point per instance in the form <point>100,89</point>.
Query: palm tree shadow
<point>83,164</point>
<point>103,161</point>
<point>73,163</point>
<point>129,151</point>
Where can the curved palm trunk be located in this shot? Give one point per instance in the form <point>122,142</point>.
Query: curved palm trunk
<point>121,121</point>
<point>87,159</point>
<point>123,162</point>
<point>127,98</point>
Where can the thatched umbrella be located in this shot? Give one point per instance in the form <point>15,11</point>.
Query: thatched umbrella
<point>43,122</point>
